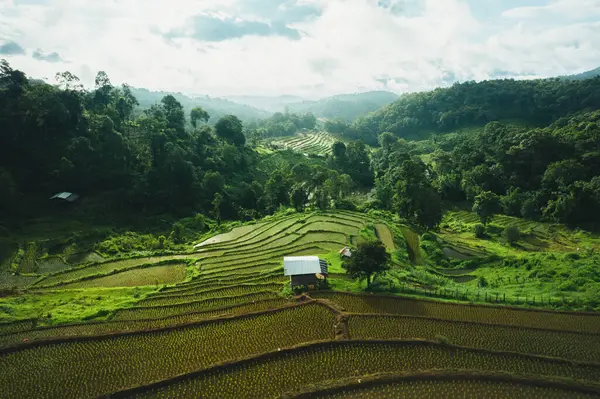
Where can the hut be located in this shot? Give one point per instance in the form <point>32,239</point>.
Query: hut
<point>65,196</point>
<point>345,252</point>
<point>304,270</point>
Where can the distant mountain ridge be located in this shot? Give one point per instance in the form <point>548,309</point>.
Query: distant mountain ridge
<point>216,107</point>
<point>584,75</point>
<point>347,107</point>
<point>342,106</point>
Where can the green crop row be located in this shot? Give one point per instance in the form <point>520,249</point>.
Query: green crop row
<point>281,240</point>
<point>230,290</point>
<point>155,275</point>
<point>104,268</point>
<point>106,327</point>
<point>451,385</point>
<point>7,328</point>
<point>220,283</point>
<point>588,323</point>
<point>263,232</point>
<point>202,279</point>
<point>569,345</point>
<point>93,367</point>
<point>275,231</point>
<point>271,375</point>
<point>155,312</point>
<point>243,271</point>
<point>269,255</point>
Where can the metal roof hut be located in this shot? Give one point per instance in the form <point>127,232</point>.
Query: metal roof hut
<point>66,196</point>
<point>346,252</point>
<point>304,270</point>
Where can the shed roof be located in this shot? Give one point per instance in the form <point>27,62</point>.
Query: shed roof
<point>298,265</point>
<point>65,195</point>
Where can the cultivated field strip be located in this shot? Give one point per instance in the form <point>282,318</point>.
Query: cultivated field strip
<point>89,367</point>
<point>565,321</point>
<point>232,290</point>
<point>201,279</point>
<point>234,234</point>
<point>262,232</point>
<point>155,312</point>
<point>73,275</point>
<point>267,256</point>
<point>106,327</point>
<point>236,272</point>
<point>312,143</point>
<point>285,233</point>
<point>199,285</point>
<point>447,384</point>
<point>7,328</point>
<point>155,275</point>
<point>309,364</point>
<point>568,345</point>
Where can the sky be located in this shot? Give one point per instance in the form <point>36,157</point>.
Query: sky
<point>309,48</point>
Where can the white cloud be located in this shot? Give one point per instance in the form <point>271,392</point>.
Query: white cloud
<point>562,8</point>
<point>344,45</point>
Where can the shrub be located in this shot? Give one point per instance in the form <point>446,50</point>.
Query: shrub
<point>511,234</point>
<point>479,230</point>
<point>345,204</point>
<point>428,237</point>
<point>482,282</point>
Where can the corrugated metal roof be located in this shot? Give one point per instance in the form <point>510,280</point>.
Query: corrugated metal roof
<point>297,265</point>
<point>63,195</point>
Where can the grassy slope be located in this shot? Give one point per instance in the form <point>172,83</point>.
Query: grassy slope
<point>550,261</point>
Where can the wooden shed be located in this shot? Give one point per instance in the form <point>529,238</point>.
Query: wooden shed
<point>304,270</point>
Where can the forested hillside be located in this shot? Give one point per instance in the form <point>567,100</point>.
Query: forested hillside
<point>216,107</point>
<point>346,107</point>
<point>162,160</point>
<point>530,102</point>
<point>584,75</point>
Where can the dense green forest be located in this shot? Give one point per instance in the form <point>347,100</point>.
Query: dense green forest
<point>101,143</point>
<point>280,124</point>
<point>533,102</point>
<point>216,107</point>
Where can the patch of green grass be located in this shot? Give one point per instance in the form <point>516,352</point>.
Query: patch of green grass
<point>55,307</point>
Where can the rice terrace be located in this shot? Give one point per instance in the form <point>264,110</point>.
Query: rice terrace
<point>216,320</point>
<point>286,204</point>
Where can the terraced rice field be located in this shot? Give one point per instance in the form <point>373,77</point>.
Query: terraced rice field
<point>118,362</point>
<point>310,143</point>
<point>100,269</point>
<point>448,385</point>
<point>560,321</point>
<point>228,332</point>
<point>155,275</point>
<point>262,376</point>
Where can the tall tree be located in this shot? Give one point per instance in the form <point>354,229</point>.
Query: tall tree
<point>369,259</point>
<point>415,198</point>
<point>198,114</point>
<point>486,205</point>
<point>230,129</point>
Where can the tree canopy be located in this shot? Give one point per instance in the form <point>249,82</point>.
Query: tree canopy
<point>369,259</point>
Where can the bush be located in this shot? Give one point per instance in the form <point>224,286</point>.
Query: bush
<point>428,237</point>
<point>345,204</point>
<point>479,230</point>
<point>482,282</point>
<point>511,234</point>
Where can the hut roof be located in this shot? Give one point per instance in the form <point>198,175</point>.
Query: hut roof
<point>298,265</point>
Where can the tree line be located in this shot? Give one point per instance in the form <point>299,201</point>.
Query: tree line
<point>418,115</point>
<point>100,144</point>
